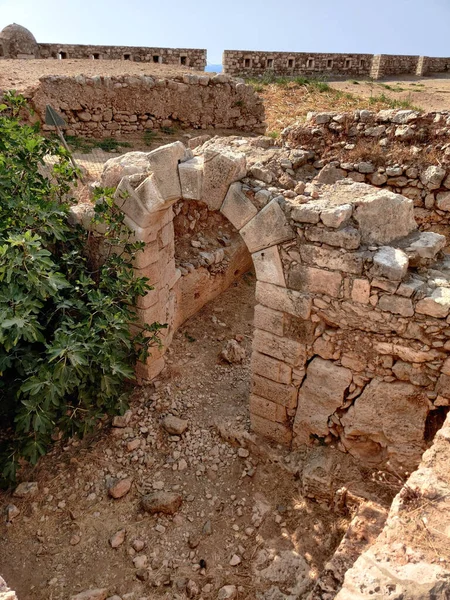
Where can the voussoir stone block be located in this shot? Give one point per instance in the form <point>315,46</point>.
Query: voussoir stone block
<point>236,207</point>
<point>163,163</point>
<point>268,228</point>
<point>221,169</point>
<point>321,394</point>
<point>129,203</point>
<point>150,196</point>
<point>131,163</point>
<point>191,178</point>
<point>283,299</point>
<point>268,266</point>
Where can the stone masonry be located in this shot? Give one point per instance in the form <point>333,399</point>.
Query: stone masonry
<point>352,300</point>
<point>106,106</point>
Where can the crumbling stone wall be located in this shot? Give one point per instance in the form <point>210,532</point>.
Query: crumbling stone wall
<point>250,63</point>
<point>404,151</point>
<point>104,106</point>
<point>351,343</point>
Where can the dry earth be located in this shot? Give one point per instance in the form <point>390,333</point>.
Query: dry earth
<point>234,504</point>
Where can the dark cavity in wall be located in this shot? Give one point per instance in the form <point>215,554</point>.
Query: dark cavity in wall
<point>434,422</point>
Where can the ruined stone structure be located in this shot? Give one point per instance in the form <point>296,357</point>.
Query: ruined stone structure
<point>105,106</point>
<point>18,42</point>
<point>352,299</point>
<point>332,65</point>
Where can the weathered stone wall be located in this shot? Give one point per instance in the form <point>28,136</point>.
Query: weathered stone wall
<point>250,63</point>
<point>351,344</point>
<point>404,151</point>
<point>240,62</point>
<point>188,57</point>
<point>104,106</point>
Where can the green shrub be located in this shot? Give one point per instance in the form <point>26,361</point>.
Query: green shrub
<point>66,351</point>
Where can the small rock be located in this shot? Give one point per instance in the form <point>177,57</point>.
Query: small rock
<point>243,453</point>
<point>97,594</point>
<point>119,489</point>
<point>142,574</point>
<point>141,561</point>
<point>194,540</point>
<point>138,545</point>
<point>228,592</point>
<point>207,528</point>
<point>26,489</point>
<point>75,540</point>
<point>12,512</point>
<point>175,426</point>
<point>121,421</point>
<point>118,538</point>
<point>192,589</point>
<point>164,502</point>
<point>235,560</point>
<point>233,352</point>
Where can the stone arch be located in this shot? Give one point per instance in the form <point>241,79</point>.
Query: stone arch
<point>148,185</point>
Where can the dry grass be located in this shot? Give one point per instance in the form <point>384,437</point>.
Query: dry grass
<point>287,102</point>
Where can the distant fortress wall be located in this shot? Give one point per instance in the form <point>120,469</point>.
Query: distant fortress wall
<point>292,64</point>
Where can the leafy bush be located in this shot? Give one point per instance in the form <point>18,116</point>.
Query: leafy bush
<point>66,351</point>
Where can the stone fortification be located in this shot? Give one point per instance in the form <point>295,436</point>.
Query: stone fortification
<point>105,106</point>
<point>18,42</point>
<point>330,65</point>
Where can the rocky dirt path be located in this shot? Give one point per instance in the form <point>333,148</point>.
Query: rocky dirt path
<point>232,519</point>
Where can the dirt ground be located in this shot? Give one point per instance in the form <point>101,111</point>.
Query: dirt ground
<point>426,93</point>
<point>23,74</point>
<point>233,503</point>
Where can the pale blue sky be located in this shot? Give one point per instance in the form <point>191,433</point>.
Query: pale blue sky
<point>384,26</point>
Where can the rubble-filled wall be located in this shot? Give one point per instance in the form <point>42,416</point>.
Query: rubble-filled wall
<point>251,63</point>
<point>404,151</point>
<point>105,106</point>
<point>187,57</point>
<point>351,343</point>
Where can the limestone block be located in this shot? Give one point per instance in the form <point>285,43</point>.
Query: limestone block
<point>236,207</point>
<point>269,320</point>
<point>280,393</point>
<point>191,178</point>
<point>150,196</point>
<point>335,216</point>
<point>147,256</point>
<point>433,177</point>
<point>396,305</point>
<point>129,203</point>
<point>131,163</point>
<point>407,354</point>
<point>332,259</point>
<point>268,266</point>
<point>221,169</point>
<point>321,394</point>
<point>151,369</point>
<point>271,368</point>
<point>289,351</point>
<point>397,433</point>
<point>267,409</point>
<point>315,281</point>
<point>436,305</point>
<point>163,163</point>
<point>329,174</point>
<point>348,237</point>
<point>390,263</point>
<point>282,434</point>
<point>443,386</point>
<point>282,299</point>
<point>443,201</point>
<point>267,228</point>
<point>384,216</point>
<point>360,291</point>
<point>306,213</point>
<point>425,245</point>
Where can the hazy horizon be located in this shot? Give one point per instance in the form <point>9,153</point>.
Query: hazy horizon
<point>348,26</point>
